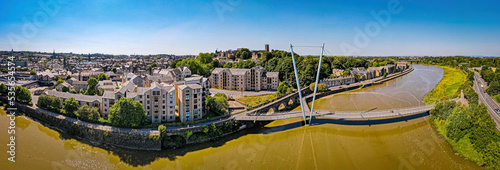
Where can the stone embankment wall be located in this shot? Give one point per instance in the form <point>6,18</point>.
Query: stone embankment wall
<point>138,139</point>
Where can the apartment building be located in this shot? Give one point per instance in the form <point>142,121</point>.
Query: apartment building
<point>158,101</point>
<point>190,102</point>
<point>254,79</point>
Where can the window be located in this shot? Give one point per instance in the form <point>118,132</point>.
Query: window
<point>147,96</point>
<point>140,96</point>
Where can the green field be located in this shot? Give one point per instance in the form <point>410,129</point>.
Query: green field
<point>256,100</point>
<point>447,88</point>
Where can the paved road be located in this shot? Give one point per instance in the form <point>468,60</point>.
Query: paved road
<point>236,94</point>
<point>486,99</point>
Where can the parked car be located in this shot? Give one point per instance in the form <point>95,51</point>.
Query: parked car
<point>497,111</point>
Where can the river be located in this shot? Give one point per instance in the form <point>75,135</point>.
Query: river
<point>283,144</point>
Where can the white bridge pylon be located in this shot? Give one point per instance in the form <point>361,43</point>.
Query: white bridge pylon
<point>315,85</point>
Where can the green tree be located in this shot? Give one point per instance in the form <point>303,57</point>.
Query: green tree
<point>91,89</point>
<point>3,88</point>
<point>228,65</point>
<point>174,63</point>
<point>73,91</point>
<point>65,89</point>
<point>68,77</point>
<point>244,54</point>
<point>492,155</point>
<point>70,106</point>
<point>163,131</point>
<point>245,64</point>
<point>282,89</point>
<point>113,69</point>
<point>494,88</point>
<point>218,103</point>
<point>102,76</point>
<point>33,72</point>
<point>459,123</point>
<point>87,113</point>
<point>82,91</point>
<point>22,94</point>
<point>127,113</point>
<point>56,78</point>
<point>59,82</point>
<point>205,58</point>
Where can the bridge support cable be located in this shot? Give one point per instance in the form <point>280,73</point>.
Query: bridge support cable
<point>316,84</point>
<point>298,84</point>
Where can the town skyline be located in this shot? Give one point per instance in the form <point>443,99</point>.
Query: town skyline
<point>188,28</point>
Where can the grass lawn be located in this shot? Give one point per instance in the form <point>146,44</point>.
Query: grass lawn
<point>448,86</point>
<point>256,100</point>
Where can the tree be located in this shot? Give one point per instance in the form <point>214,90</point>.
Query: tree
<point>33,72</point>
<point>59,82</point>
<point>22,94</point>
<point>245,64</point>
<point>346,73</point>
<point>3,88</point>
<point>163,131</point>
<point>244,54</point>
<point>70,106</point>
<point>205,58</point>
<point>92,83</point>
<point>102,76</point>
<point>459,123</point>
<point>492,155</point>
<point>174,63</point>
<point>73,91</point>
<point>218,103</point>
<point>282,89</point>
<point>65,89</point>
<point>494,88</point>
<point>321,87</point>
<point>82,91</point>
<point>87,113</point>
<point>228,65</point>
<point>56,78</point>
<point>127,112</point>
<point>113,69</point>
<point>68,77</point>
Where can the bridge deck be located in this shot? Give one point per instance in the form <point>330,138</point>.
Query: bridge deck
<point>338,115</point>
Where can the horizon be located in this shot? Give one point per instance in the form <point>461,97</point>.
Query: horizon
<point>367,28</point>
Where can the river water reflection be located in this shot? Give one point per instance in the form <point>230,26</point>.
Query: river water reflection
<point>283,144</point>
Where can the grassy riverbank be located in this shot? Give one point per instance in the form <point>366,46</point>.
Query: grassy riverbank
<point>468,129</point>
<point>448,87</point>
<point>256,100</point>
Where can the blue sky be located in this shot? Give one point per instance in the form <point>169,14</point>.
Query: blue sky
<point>421,27</point>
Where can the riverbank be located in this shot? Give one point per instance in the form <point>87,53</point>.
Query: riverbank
<point>468,129</point>
<point>448,87</point>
